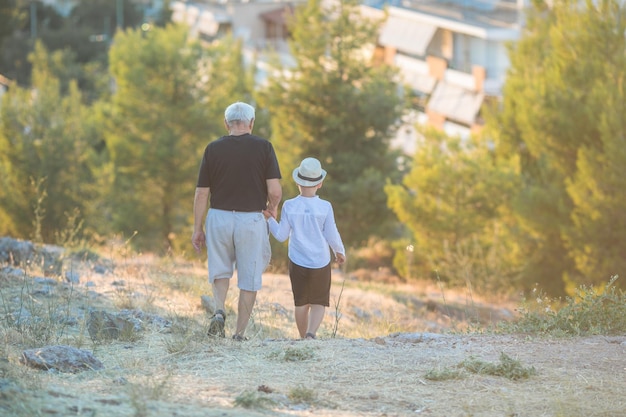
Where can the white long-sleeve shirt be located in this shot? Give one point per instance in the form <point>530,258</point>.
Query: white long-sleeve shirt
<point>309,223</point>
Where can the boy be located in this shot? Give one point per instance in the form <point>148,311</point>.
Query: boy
<point>309,223</point>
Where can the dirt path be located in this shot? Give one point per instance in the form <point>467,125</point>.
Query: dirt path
<point>351,377</point>
<point>376,366</point>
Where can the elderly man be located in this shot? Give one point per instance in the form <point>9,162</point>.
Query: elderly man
<point>240,175</point>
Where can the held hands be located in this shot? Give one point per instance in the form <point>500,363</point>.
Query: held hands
<point>269,212</point>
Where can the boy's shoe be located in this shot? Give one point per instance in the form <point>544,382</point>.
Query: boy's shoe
<point>309,336</point>
<point>216,326</point>
<point>239,338</point>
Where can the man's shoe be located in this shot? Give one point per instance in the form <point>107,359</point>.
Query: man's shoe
<point>239,338</point>
<point>216,326</point>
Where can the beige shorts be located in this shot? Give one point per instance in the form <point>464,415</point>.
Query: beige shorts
<point>237,240</point>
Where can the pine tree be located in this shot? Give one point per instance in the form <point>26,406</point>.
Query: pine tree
<point>556,100</point>
<point>598,238</point>
<point>169,102</point>
<point>454,202</point>
<point>335,106</point>
<point>9,18</point>
<point>45,153</point>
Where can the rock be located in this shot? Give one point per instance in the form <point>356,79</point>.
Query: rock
<point>51,258</point>
<point>72,277</point>
<point>11,272</point>
<point>380,341</point>
<point>139,318</point>
<point>106,326</point>
<point>103,325</point>
<point>15,251</point>
<point>61,358</point>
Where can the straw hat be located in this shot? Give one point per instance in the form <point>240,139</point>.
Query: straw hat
<point>309,173</point>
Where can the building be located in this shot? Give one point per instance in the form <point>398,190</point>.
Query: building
<point>452,54</point>
<point>260,24</point>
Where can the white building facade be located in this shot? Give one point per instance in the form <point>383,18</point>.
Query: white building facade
<point>451,53</point>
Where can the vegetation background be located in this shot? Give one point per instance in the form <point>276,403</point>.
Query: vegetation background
<point>102,140</point>
<point>482,275</point>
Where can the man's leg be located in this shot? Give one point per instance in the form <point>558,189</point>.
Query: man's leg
<point>244,310</point>
<point>252,254</point>
<point>220,290</point>
<point>221,258</point>
<point>302,319</point>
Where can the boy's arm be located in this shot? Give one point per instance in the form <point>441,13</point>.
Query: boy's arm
<point>331,233</point>
<point>341,258</point>
<point>281,230</point>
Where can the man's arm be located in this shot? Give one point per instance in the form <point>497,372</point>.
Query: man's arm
<point>200,206</point>
<point>274,195</point>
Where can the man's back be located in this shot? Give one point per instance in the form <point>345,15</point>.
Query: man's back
<point>236,168</point>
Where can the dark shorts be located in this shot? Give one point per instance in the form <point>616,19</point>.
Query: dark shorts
<point>310,286</point>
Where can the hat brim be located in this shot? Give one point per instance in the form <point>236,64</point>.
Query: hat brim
<point>305,182</point>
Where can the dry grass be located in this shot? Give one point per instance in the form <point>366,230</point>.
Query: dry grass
<point>394,353</point>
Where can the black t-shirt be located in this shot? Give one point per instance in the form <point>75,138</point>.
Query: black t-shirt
<point>236,169</point>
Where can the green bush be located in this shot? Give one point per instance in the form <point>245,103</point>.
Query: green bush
<point>507,367</point>
<point>588,312</point>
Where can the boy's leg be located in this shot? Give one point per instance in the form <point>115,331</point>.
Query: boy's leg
<point>315,318</point>
<point>302,319</point>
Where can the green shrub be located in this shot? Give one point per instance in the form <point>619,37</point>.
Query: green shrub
<point>443,374</point>
<point>508,368</point>
<point>302,395</point>
<point>588,312</point>
<point>253,400</point>
<point>298,354</point>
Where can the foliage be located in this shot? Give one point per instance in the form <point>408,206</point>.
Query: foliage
<point>302,395</point>
<point>46,16</point>
<point>444,374</point>
<point>454,202</point>
<point>563,116</point>
<point>294,354</point>
<point>37,322</point>
<point>169,101</point>
<point>85,35</point>
<point>100,14</point>
<point>377,253</point>
<point>589,312</point>
<point>253,400</point>
<point>10,18</point>
<point>165,14</point>
<point>335,106</point>
<point>46,153</point>
<point>597,240</point>
<point>507,367</point>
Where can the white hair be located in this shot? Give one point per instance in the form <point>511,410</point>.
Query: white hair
<point>239,112</point>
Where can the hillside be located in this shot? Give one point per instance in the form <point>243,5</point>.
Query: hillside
<point>398,350</point>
